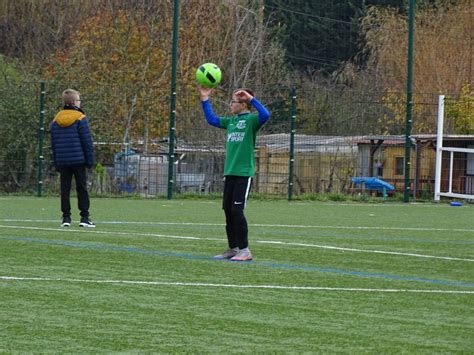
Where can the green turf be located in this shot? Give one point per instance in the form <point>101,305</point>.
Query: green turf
<point>351,248</point>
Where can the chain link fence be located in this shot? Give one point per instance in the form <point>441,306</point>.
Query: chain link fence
<point>315,142</point>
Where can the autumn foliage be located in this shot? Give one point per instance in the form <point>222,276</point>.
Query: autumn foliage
<point>123,57</point>
<point>442,62</point>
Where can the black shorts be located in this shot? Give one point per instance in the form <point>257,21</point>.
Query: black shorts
<point>236,191</point>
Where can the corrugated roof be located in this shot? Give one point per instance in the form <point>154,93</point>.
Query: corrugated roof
<point>280,142</point>
<point>307,143</point>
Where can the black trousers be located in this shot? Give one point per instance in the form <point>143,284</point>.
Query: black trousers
<point>80,176</point>
<point>236,191</point>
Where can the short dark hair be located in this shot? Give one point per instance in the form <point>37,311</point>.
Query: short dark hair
<point>250,91</point>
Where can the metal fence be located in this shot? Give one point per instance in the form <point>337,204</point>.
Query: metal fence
<point>316,141</point>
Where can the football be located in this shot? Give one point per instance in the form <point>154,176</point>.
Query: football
<point>208,75</point>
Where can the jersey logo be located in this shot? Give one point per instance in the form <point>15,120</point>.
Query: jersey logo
<point>241,124</point>
<point>235,137</point>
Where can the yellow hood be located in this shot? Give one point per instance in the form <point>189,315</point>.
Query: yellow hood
<point>65,118</point>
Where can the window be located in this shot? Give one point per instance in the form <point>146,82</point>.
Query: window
<point>470,162</point>
<point>378,169</point>
<point>399,165</point>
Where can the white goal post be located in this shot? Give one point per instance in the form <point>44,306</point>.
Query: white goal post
<point>439,155</point>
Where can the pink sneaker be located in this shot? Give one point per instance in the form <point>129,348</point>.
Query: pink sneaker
<point>243,255</point>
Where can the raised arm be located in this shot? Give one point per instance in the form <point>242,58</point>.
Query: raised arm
<point>211,117</point>
<point>263,113</point>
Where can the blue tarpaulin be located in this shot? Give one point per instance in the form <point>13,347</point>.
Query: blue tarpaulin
<point>372,183</point>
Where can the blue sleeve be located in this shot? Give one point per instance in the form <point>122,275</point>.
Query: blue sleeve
<point>86,141</point>
<point>211,117</point>
<point>263,113</point>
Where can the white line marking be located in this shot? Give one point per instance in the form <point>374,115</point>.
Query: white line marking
<point>412,229</point>
<point>104,232</point>
<point>116,222</point>
<point>256,241</point>
<point>202,284</point>
<point>366,251</point>
<point>423,229</point>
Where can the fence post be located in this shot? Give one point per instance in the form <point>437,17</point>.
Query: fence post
<point>41,139</point>
<point>409,111</point>
<point>174,61</point>
<point>292,143</point>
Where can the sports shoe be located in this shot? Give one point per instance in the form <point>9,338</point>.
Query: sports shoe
<point>86,222</point>
<point>66,222</point>
<point>229,253</point>
<point>243,255</point>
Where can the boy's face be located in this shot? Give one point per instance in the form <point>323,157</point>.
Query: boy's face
<point>237,105</point>
<point>77,102</point>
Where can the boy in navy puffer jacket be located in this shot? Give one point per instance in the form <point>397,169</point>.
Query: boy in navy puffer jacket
<point>73,152</point>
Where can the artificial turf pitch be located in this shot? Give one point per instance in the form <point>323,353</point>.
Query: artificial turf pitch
<point>326,277</point>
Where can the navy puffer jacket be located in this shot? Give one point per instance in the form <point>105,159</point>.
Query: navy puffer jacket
<point>71,139</point>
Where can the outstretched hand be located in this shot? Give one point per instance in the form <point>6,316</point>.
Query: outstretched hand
<point>204,92</point>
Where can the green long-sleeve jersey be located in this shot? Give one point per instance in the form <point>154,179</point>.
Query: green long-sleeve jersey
<point>241,137</point>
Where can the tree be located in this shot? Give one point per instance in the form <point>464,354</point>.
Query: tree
<point>315,34</point>
<point>126,63</point>
<point>320,35</point>
<point>442,60</point>
<point>461,111</point>
<point>126,55</point>
<point>18,130</point>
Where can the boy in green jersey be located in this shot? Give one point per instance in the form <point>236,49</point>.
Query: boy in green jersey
<point>239,167</point>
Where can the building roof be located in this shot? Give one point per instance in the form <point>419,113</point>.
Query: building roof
<point>400,139</point>
<point>280,142</point>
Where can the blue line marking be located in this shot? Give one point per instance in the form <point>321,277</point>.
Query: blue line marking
<point>311,234</point>
<point>251,263</point>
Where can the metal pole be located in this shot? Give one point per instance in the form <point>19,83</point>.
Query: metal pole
<point>292,144</point>
<point>451,163</point>
<point>439,148</point>
<point>174,60</point>
<point>409,113</point>
<point>41,139</point>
